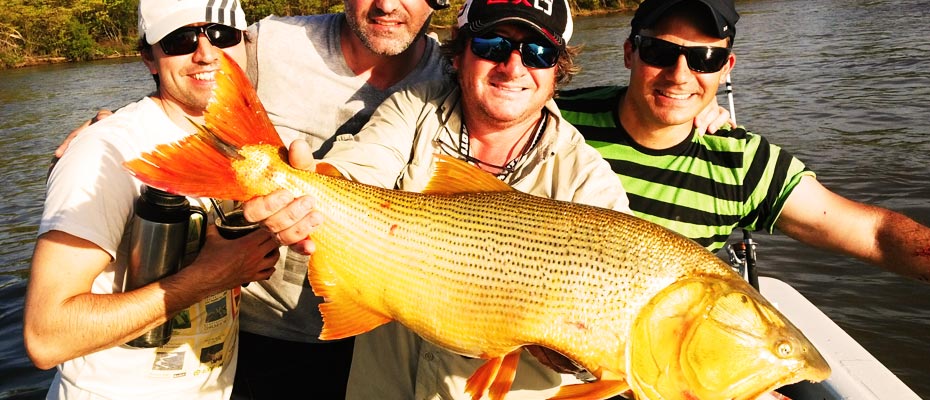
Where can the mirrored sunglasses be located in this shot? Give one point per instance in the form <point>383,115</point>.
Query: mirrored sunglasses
<point>661,53</point>
<point>498,49</point>
<point>184,40</point>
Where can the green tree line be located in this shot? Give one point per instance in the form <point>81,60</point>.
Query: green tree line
<point>35,31</point>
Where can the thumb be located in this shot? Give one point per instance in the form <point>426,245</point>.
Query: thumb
<point>300,155</point>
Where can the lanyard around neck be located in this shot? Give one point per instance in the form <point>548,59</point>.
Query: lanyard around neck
<point>505,170</point>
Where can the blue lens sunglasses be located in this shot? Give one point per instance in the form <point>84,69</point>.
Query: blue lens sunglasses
<point>497,49</point>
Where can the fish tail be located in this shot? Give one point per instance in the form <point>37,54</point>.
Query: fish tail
<point>234,113</point>
<point>201,165</point>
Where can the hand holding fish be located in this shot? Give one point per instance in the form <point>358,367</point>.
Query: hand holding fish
<point>290,219</point>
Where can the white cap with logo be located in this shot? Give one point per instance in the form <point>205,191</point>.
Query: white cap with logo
<point>158,18</point>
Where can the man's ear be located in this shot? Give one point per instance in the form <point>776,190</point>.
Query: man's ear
<point>731,62</point>
<point>149,60</point>
<point>628,54</point>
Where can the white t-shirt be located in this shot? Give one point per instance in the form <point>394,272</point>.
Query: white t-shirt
<point>91,195</point>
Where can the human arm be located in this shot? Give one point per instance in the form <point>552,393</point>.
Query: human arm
<point>575,171</point>
<point>816,216</point>
<point>64,319</point>
<point>290,218</point>
<point>375,155</point>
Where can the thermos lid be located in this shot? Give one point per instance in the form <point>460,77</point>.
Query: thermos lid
<point>162,198</point>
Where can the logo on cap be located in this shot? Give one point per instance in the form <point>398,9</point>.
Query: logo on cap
<point>541,5</point>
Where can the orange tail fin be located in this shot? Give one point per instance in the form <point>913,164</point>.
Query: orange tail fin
<point>201,165</point>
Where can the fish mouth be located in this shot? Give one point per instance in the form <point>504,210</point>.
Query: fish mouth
<point>716,338</point>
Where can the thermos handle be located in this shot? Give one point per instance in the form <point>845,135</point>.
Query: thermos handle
<point>203,225</point>
<point>196,234</point>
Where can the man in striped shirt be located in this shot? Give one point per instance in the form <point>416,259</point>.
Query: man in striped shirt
<point>705,186</point>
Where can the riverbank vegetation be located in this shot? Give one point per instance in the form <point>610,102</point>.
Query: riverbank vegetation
<point>47,31</point>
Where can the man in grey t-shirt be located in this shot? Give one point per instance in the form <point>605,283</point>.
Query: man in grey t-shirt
<point>319,77</point>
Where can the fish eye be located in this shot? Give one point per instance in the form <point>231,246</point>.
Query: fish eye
<point>784,349</point>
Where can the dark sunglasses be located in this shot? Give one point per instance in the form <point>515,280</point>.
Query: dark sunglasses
<point>184,40</point>
<point>661,53</point>
<point>498,49</point>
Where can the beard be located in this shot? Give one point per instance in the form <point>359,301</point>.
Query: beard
<point>382,43</point>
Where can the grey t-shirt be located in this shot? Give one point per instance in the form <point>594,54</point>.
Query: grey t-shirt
<point>309,92</point>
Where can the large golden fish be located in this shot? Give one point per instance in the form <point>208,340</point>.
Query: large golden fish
<point>482,270</point>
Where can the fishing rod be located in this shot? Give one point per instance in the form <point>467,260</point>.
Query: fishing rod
<point>742,253</point>
<point>728,89</point>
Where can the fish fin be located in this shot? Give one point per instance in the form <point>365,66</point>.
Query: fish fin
<point>327,169</point>
<point>194,166</point>
<point>345,319</point>
<point>495,376</point>
<point>201,164</point>
<point>342,317</point>
<point>234,113</point>
<point>601,389</point>
<point>451,175</point>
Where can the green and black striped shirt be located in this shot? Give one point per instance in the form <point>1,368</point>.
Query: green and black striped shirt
<point>703,188</point>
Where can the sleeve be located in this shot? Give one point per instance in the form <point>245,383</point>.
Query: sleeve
<point>780,174</point>
<point>89,193</point>
<point>378,154</point>
<point>596,184</point>
<point>581,175</point>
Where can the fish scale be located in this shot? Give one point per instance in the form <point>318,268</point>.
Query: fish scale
<point>481,256</point>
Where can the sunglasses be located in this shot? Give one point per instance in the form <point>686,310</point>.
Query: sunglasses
<point>498,49</point>
<point>661,53</point>
<point>184,40</point>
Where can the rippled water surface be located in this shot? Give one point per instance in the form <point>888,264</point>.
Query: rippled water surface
<point>842,84</point>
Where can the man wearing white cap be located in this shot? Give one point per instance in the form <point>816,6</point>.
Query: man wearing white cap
<point>320,77</point>
<point>77,315</point>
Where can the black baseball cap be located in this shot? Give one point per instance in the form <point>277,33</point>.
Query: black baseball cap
<point>552,19</point>
<point>723,13</point>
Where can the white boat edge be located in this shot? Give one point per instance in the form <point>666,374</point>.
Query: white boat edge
<point>857,374</point>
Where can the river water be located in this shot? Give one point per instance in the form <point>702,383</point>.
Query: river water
<point>842,84</point>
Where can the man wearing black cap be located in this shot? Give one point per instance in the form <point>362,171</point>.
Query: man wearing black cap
<point>704,187</point>
<point>495,111</point>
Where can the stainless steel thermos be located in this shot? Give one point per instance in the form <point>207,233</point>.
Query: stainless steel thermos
<point>160,239</point>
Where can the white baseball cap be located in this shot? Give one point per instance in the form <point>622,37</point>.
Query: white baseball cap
<point>158,18</point>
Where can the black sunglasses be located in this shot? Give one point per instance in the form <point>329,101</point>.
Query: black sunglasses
<point>661,53</point>
<point>498,49</point>
<point>184,40</point>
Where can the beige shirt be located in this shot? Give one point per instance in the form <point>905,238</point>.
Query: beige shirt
<point>395,149</point>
